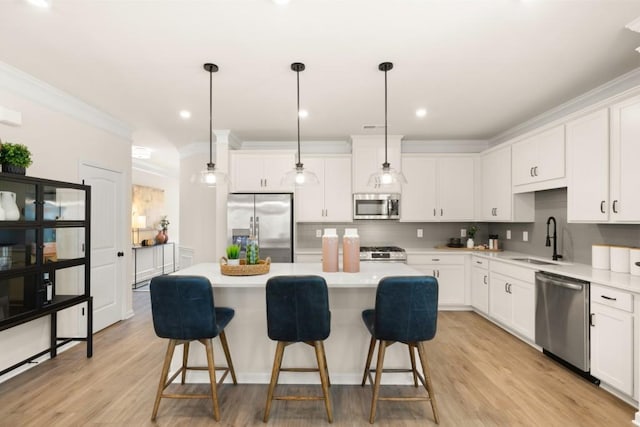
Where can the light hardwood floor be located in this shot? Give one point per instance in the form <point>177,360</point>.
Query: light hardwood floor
<point>482,377</point>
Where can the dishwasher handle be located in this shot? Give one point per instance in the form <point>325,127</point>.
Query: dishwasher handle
<point>559,281</point>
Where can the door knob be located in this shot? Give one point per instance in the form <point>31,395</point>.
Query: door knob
<point>120,254</point>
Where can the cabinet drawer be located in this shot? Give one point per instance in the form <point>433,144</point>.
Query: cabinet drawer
<point>478,262</point>
<point>612,297</point>
<point>436,259</point>
<point>521,273</point>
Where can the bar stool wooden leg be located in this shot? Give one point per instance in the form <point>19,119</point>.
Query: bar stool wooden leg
<point>227,355</point>
<point>275,373</point>
<point>324,377</point>
<point>212,377</point>
<point>376,387</point>
<point>163,377</point>
<point>427,377</point>
<point>367,365</point>
<point>324,356</point>
<point>412,356</point>
<point>185,359</point>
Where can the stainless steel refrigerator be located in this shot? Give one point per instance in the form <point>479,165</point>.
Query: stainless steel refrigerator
<point>268,217</point>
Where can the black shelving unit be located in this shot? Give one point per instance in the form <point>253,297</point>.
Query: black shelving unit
<point>49,243</point>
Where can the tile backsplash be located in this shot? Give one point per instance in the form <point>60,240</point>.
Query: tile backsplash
<point>574,240</point>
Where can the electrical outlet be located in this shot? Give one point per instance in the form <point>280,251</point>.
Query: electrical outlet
<point>419,233</point>
<point>463,232</point>
<point>525,236</point>
<point>508,234</point>
<point>318,233</point>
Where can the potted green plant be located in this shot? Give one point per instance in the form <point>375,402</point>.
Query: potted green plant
<point>471,232</point>
<point>233,254</point>
<point>15,158</point>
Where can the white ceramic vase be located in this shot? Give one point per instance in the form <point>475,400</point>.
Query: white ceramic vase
<point>470,243</point>
<point>9,206</point>
<point>233,261</point>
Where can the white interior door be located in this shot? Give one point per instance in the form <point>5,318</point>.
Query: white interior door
<point>106,242</point>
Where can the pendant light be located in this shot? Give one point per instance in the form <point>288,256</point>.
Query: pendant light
<point>298,176</point>
<point>386,175</point>
<point>211,176</point>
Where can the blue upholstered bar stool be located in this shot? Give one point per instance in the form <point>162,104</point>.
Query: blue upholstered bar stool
<point>407,312</point>
<point>183,311</point>
<point>298,311</point>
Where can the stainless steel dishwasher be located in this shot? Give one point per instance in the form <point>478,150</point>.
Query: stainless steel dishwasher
<point>562,320</point>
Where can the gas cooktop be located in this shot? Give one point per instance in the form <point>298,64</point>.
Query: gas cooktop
<point>382,253</point>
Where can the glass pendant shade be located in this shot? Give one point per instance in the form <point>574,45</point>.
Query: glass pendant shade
<point>299,176</point>
<point>386,175</point>
<point>211,176</point>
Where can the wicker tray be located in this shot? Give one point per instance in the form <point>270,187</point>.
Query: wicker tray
<point>244,269</point>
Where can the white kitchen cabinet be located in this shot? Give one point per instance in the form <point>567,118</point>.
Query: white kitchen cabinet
<point>624,170</point>
<point>368,157</point>
<point>331,201</point>
<point>438,188</point>
<point>588,168</point>
<point>499,203</point>
<point>512,298</point>
<point>260,171</point>
<point>480,284</point>
<point>450,272</point>
<point>603,173</point>
<point>540,158</point>
<point>612,349</point>
<point>152,261</point>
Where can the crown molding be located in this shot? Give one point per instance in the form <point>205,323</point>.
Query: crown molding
<point>307,147</point>
<point>154,169</point>
<point>445,146</point>
<point>617,88</point>
<point>21,83</point>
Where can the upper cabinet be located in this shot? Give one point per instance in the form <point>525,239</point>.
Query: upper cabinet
<point>331,201</point>
<point>499,203</point>
<point>438,188</point>
<point>602,167</point>
<point>368,154</point>
<point>588,168</point>
<point>539,161</point>
<point>260,171</point>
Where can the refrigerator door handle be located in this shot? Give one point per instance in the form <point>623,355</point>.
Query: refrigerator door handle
<point>251,226</point>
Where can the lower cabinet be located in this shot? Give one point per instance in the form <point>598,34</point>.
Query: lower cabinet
<point>480,284</point>
<point>512,299</point>
<point>449,270</point>
<point>612,358</point>
<point>151,261</point>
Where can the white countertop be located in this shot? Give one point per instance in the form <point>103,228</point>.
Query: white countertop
<point>368,277</point>
<point>622,281</point>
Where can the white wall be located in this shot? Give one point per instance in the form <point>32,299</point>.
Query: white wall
<point>61,132</point>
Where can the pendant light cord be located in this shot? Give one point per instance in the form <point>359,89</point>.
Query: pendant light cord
<point>299,164</point>
<point>211,117</point>
<point>386,163</point>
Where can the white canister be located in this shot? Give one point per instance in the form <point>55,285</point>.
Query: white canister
<point>634,261</point>
<point>601,257</point>
<point>620,259</point>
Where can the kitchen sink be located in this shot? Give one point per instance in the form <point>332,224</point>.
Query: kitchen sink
<point>535,261</point>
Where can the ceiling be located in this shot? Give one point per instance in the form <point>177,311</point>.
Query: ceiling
<point>478,67</point>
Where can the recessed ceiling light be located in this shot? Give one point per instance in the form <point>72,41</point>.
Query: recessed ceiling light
<point>138,152</point>
<point>40,3</point>
<point>281,2</point>
<point>185,114</point>
<point>303,113</point>
<point>421,112</point>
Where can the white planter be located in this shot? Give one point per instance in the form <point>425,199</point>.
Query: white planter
<point>233,261</point>
<point>470,243</point>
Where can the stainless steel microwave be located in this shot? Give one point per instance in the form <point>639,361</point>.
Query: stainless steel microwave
<point>376,206</point>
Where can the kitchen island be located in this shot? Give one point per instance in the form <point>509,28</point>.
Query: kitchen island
<point>251,349</point>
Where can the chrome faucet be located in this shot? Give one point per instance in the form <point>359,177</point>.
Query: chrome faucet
<point>555,255</point>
